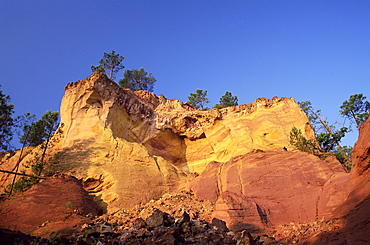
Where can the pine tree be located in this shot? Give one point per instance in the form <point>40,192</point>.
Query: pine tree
<point>138,80</point>
<point>6,121</point>
<point>356,109</point>
<point>227,100</point>
<point>326,135</point>
<point>39,133</point>
<point>199,99</point>
<point>111,63</point>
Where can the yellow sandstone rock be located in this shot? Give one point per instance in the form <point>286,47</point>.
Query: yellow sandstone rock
<point>138,146</point>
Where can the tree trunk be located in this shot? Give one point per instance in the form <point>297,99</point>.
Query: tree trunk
<point>328,129</point>
<point>28,175</point>
<point>19,162</point>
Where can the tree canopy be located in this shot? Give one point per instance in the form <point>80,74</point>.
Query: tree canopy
<point>355,109</point>
<point>39,131</point>
<point>199,99</point>
<point>227,100</point>
<point>327,136</point>
<point>138,80</point>
<point>111,63</point>
<point>6,121</point>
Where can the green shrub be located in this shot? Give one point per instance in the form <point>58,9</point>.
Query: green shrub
<point>21,185</point>
<point>301,143</point>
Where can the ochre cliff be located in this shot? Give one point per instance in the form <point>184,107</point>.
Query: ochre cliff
<point>354,213</point>
<point>131,147</point>
<point>182,135</point>
<point>58,203</point>
<point>137,146</point>
<point>263,189</point>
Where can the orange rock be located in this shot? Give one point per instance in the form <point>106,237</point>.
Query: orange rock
<point>52,203</point>
<point>262,189</point>
<point>354,212</point>
<point>140,146</point>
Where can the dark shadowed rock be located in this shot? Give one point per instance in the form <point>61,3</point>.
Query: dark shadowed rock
<point>138,223</point>
<point>220,224</point>
<point>13,237</point>
<point>245,239</point>
<point>159,218</point>
<point>184,218</point>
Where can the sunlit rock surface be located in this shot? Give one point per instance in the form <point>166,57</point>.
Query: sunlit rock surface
<point>127,148</point>
<point>50,205</point>
<point>262,189</point>
<point>137,146</point>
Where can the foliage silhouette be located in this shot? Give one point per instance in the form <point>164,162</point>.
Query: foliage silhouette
<point>138,80</point>
<point>356,109</point>
<point>110,63</point>
<point>199,99</point>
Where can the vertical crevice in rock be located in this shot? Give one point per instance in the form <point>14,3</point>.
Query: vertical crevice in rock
<point>263,215</point>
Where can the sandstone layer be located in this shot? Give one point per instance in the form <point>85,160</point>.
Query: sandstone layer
<point>182,135</point>
<point>349,223</point>
<point>355,211</point>
<point>49,206</point>
<point>128,148</point>
<point>136,146</point>
<point>263,189</point>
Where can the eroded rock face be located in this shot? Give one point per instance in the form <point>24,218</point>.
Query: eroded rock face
<point>51,204</point>
<point>137,145</point>
<point>262,189</point>
<point>361,152</point>
<point>182,135</point>
<point>354,212</point>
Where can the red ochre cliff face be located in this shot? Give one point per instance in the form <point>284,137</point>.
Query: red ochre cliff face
<point>136,146</point>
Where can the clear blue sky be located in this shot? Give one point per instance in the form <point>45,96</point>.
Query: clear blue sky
<point>308,50</point>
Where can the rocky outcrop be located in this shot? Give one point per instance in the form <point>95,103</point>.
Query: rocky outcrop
<point>182,135</point>
<point>136,146</point>
<point>128,148</point>
<point>354,212</point>
<point>263,189</point>
<point>349,222</point>
<point>185,221</point>
<point>49,206</point>
<point>361,152</point>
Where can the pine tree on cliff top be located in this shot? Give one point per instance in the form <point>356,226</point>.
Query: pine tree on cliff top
<point>199,99</point>
<point>227,100</point>
<point>110,64</point>
<point>138,80</point>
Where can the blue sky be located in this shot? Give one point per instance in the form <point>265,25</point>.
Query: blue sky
<point>308,50</point>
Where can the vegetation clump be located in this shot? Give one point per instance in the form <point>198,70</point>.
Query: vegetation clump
<point>328,137</point>
<point>199,99</point>
<point>110,63</point>
<point>227,100</point>
<point>301,143</point>
<point>6,121</point>
<point>356,109</point>
<point>138,80</point>
<point>38,134</point>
